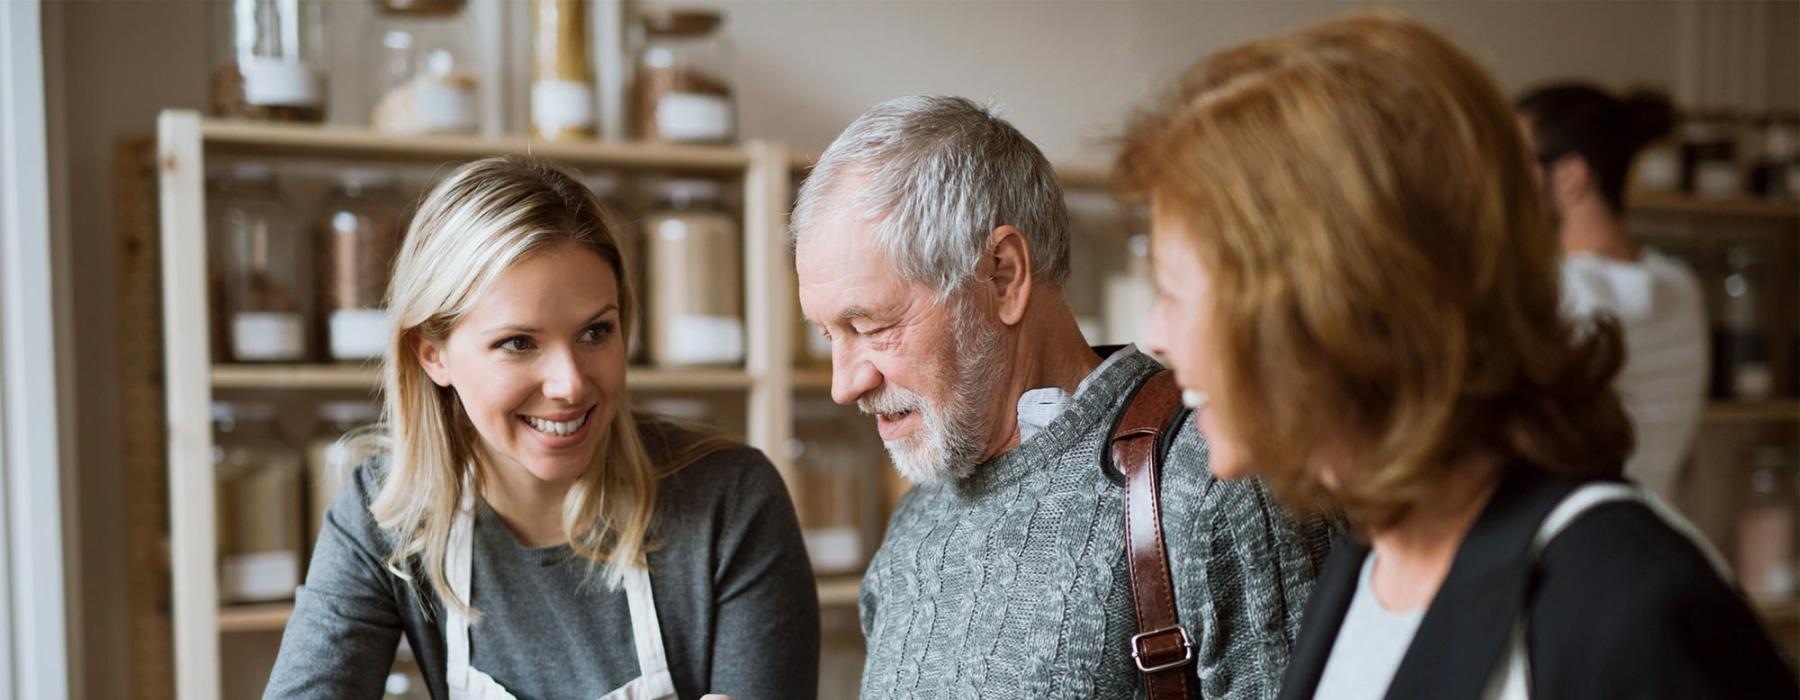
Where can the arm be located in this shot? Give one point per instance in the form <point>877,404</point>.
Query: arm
<point>341,638</point>
<point>1243,569</point>
<point>766,643</point>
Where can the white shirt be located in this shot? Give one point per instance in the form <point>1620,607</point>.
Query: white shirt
<point>1370,645</point>
<point>1658,302</point>
<point>1038,407</point>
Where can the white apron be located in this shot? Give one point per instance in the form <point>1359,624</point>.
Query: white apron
<point>468,683</point>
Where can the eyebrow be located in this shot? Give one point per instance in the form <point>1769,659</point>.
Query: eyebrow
<point>515,328</point>
<point>852,313</point>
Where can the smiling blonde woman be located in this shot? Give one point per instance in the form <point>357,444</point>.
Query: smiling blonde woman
<point>517,522</point>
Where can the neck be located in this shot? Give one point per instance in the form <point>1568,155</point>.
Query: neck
<point>1590,227</point>
<point>1413,556</point>
<point>530,507</point>
<point>1049,352</point>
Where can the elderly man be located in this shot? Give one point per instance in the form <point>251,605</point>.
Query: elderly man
<point>931,243</point>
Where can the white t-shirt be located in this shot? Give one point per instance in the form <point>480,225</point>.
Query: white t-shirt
<point>1370,645</point>
<point>1658,302</point>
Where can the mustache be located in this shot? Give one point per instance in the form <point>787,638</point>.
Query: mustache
<point>890,400</point>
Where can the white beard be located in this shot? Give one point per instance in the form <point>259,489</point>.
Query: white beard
<point>949,444</point>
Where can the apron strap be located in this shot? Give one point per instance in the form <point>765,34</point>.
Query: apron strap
<point>458,563</point>
<point>646,632</point>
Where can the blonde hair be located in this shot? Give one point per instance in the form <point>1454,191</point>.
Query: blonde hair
<point>1381,264</point>
<point>483,218</point>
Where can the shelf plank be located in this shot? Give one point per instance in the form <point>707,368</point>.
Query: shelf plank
<point>350,377</point>
<point>261,617</point>
<point>1771,411</point>
<point>835,590</point>
<point>1675,203</point>
<point>243,138</point>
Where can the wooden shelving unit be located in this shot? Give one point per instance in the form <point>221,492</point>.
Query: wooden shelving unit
<point>186,142</point>
<point>1676,203</point>
<point>1771,411</point>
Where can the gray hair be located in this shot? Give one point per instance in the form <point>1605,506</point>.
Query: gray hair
<point>938,175</point>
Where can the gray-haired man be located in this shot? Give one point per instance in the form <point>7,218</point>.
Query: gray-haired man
<point>931,242</point>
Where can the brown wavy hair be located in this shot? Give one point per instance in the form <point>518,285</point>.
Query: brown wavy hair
<point>1381,264</point>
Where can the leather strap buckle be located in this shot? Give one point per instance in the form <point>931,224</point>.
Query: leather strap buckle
<point>1143,658</point>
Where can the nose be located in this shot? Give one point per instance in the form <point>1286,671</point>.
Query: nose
<point>563,378</point>
<point>851,376</point>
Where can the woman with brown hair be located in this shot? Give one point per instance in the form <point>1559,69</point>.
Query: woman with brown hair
<point>1358,289</point>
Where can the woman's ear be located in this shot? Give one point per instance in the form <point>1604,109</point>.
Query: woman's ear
<point>431,357</point>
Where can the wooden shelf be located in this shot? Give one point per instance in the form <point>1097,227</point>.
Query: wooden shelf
<point>243,138</point>
<point>835,590</point>
<point>368,377</point>
<point>1675,203</point>
<point>262,617</point>
<point>1771,411</point>
<point>1780,614</point>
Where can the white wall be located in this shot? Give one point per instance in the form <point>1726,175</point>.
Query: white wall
<point>1066,73</point>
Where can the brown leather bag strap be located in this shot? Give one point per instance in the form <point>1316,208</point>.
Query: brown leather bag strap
<point>1162,649</point>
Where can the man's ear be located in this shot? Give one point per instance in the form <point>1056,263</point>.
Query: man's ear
<point>1008,268</point>
<point>1570,179</point>
<point>431,357</point>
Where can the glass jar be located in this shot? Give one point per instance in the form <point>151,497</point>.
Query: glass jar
<point>325,454</point>
<point>429,82</point>
<point>562,83</point>
<point>1741,367</point>
<point>269,60</point>
<point>1767,558</point>
<point>682,90</point>
<point>1709,148</point>
<point>358,240</point>
<point>1129,295</point>
<point>695,260</point>
<point>825,456</point>
<point>257,477</point>
<point>622,218</point>
<point>1780,148</point>
<point>261,266</point>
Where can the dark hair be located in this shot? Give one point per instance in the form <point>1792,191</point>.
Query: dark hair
<point>1605,131</point>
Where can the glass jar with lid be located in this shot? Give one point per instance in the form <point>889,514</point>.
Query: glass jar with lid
<point>359,235</point>
<point>429,82</point>
<point>1741,353</point>
<point>682,89</point>
<point>695,260</point>
<point>622,219</point>
<point>257,475</point>
<point>562,80</point>
<point>260,263</point>
<point>835,496</point>
<point>269,60</point>
<point>1768,556</point>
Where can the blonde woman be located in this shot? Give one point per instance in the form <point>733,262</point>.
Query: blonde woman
<point>526,532</point>
<point>1357,285</point>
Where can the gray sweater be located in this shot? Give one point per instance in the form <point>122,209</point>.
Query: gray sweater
<point>734,591</point>
<point>1012,583</point>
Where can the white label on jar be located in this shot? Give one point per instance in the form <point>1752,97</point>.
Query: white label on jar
<point>442,108</point>
<point>557,105</point>
<point>1752,380</point>
<point>358,334</point>
<point>275,82</point>
<point>690,116</point>
<point>1717,179</point>
<point>267,336</point>
<point>260,576</point>
<point>702,339</point>
<point>834,548</point>
<point>1659,171</point>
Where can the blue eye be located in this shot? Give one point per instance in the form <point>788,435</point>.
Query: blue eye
<point>598,333</point>
<point>516,344</point>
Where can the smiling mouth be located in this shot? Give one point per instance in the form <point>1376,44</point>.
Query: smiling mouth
<point>558,428</point>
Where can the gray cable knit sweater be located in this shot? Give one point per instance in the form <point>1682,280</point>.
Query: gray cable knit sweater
<point>1012,583</point>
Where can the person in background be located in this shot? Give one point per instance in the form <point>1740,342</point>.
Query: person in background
<point>523,528</point>
<point>1585,139</point>
<point>1358,287</point>
<point>931,242</point>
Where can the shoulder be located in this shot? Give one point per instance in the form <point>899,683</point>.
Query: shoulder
<point>349,513</point>
<point>1632,554</point>
<point>734,478</point>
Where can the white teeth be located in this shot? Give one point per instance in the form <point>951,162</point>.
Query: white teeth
<point>1194,398</point>
<point>557,428</point>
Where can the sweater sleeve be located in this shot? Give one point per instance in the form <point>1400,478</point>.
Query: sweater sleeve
<point>340,641</point>
<point>1243,567</point>
<point>766,643</point>
<point>1627,607</point>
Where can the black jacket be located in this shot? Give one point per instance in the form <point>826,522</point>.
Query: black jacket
<point>1620,605</point>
